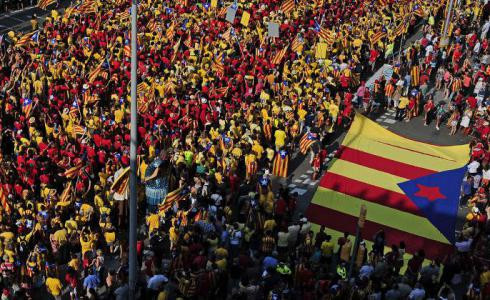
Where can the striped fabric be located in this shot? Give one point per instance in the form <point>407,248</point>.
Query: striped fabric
<point>297,44</point>
<point>372,165</point>
<point>401,29</point>
<point>79,130</point>
<point>280,164</point>
<point>218,67</point>
<point>415,75</point>
<point>25,39</point>
<point>287,6</point>
<point>121,183</point>
<point>124,15</point>
<point>222,12</point>
<point>327,35</point>
<point>66,194</point>
<point>375,38</point>
<point>43,4</point>
<point>279,56</point>
<point>306,142</point>
<point>170,34</point>
<point>227,35</point>
<point>73,171</point>
<point>3,200</point>
<point>172,198</point>
<point>95,73</point>
<point>88,7</point>
<point>27,107</point>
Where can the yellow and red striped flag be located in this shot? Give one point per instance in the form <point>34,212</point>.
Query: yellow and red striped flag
<point>188,41</point>
<point>222,91</point>
<point>218,67</point>
<point>297,44</point>
<point>375,38</point>
<point>415,75</point>
<point>171,31</point>
<point>127,50</point>
<point>88,7</point>
<point>401,182</point>
<point>121,183</point>
<point>27,107</point>
<point>66,194</point>
<point>279,56</point>
<point>123,15</point>
<point>95,73</point>
<point>227,34</point>
<point>69,11</point>
<point>73,171</point>
<point>401,29</point>
<point>307,141</point>
<point>43,4</point>
<point>79,130</point>
<point>222,12</point>
<point>26,38</point>
<point>280,164</point>
<point>287,6</point>
<point>172,198</point>
<point>3,200</point>
<point>327,35</point>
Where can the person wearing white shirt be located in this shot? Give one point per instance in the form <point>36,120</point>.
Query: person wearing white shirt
<point>418,293</point>
<point>473,167</point>
<point>293,231</point>
<point>463,246</point>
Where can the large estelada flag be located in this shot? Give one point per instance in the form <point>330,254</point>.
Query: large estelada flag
<point>410,189</point>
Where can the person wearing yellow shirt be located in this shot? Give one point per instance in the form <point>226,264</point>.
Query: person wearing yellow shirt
<point>327,248</point>
<point>257,149</point>
<point>400,110</point>
<point>86,242</point>
<point>153,222</point>
<point>119,114</point>
<point>54,286</point>
<point>280,138</point>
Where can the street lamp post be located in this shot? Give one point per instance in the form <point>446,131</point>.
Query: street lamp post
<point>133,197</point>
<point>445,38</point>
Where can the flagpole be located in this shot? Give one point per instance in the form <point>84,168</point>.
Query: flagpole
<point>445,39</point>
<point>133,157</point>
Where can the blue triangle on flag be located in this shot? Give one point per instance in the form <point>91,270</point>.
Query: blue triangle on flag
<point>437,196</point>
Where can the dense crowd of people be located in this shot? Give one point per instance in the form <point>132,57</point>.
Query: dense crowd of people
<point>223,108</point>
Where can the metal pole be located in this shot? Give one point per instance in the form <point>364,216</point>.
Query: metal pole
<point>359,227</point>
<point>133,197</point>
<point>446,23</point>
<point>356,249</point>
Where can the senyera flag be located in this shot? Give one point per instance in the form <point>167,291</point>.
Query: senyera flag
<point>411,189</point>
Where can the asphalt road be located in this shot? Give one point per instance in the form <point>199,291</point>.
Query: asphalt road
<point>20,20</point>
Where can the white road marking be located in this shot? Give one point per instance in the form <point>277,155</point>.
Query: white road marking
<point>292,186</point>
<point>309,172</point>
<point>390,121</point>
<point>306,181</point>
<point>313,182</point>
<point>380,119</point>
<point>298,180</point>
<point>303,176</point>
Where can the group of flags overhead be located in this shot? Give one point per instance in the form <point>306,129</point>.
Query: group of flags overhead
<point>43,4</point>
<point>400,181</point>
